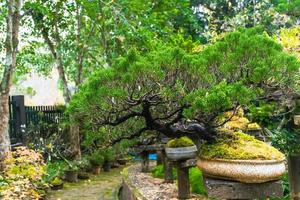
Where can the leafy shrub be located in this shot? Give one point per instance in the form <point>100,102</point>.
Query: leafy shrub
<point>180,142</point>
<point>109,155</point>
<point>158,172</point>
<point>195,176</point>
<point>23,175</point>
<point>96,158</point>
<point>287,141</point>
<point>54,169</point>
<point>196,181</point>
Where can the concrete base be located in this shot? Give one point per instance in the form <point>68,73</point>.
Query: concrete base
<point>223,189</point>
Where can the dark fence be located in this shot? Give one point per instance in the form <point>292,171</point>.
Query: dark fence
<point>47,114</point>
<point>21,117</point>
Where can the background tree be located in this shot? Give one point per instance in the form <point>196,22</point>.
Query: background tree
<point>227,15</point>
<point>176,90</point>
<point>9,66</point>
<point>84,35</point>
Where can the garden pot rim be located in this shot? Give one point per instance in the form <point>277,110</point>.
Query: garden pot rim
<point>256,161</point>
<point>181,147</point>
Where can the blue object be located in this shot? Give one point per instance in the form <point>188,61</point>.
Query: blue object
<point>152,156</point>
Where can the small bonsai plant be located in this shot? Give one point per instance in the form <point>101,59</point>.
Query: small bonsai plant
<point>71,171</point>
<point>109,156</point>
<point>180,142</point>
<point>96,158</point>
<point>181,149</point>
<point>56,184</point>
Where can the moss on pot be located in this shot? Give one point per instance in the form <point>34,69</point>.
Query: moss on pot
<point>180,142</point>
<point>239,146</point>
<point>57,181</point>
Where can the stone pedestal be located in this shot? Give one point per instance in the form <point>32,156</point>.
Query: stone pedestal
<point>223,189</point>
<point>168,170</point>
<point>183,177</point>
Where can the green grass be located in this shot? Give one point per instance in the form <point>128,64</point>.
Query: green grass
<point>195,176</point>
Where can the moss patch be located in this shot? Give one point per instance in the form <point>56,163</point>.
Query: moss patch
<point>180,142</point>
<point>239,146</point>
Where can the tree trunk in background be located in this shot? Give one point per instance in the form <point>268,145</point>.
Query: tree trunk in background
<point>11,48</point>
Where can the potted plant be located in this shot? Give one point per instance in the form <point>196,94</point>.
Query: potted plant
<point>108,159</point>
<point>181,149</point>
<point>71,171</point>
<point>56,184</point>
<point>96,159</point>
<point>240,157</point>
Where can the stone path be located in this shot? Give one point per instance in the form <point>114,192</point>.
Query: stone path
<point>102,187</point>
<point>153,188</point>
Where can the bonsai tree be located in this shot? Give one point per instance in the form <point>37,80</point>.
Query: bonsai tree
<point>179,88</point>
<point>96,158</point>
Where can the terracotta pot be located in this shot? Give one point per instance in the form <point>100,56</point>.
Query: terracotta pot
<point>57,187</point>
<point>71,176</point>
<point>96,169</point>
<point>181,153</point>
<point>247,171</point>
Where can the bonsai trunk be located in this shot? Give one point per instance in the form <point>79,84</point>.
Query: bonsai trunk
<point>96,169</point>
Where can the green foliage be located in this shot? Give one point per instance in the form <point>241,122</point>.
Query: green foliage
<point>262,113</point>
<point>54,169</point>
<point>291,8</point>
<point>287,141</point>
<point>239,146</point>
<point>196,181</point>
<point>158,172</point>
<point>96,158</point>
<point>180,142</point>
<point>237,69</point>
<point>56,181</point>
<point>108,155</point>
<point>195,177</point>
<point>72,165</point>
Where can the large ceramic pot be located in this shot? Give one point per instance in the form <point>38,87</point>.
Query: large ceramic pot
<point>181,153</point>
<point>246,171</point>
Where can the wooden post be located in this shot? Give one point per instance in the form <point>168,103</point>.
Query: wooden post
<point>294,176</point>
<point>159,157</point>
<point>168,169</point>
<point>20,118</point>
<point>183,182</point>
<point>145,161</point>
